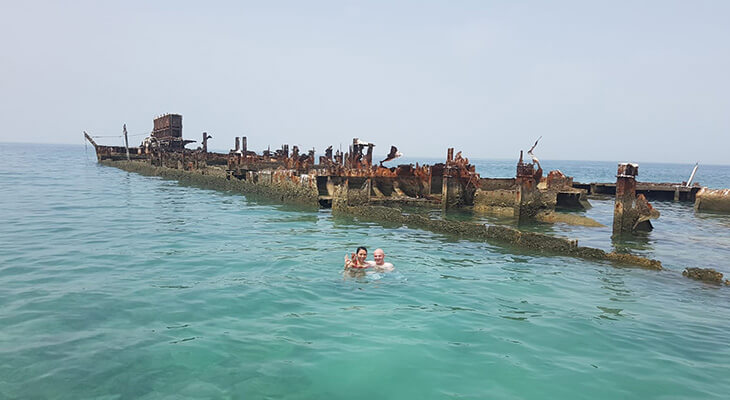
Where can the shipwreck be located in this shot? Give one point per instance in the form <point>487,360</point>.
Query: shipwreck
<point>355,184</point>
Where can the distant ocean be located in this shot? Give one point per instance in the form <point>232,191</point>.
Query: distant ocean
<point>115,285</point>
<point>712,176</point>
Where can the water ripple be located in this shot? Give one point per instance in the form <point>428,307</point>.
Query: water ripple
<point>123,286</point>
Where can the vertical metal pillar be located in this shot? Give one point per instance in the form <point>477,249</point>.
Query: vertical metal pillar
<point>126,141</point>
<point>445,188</point>
<point>525,206</point>
<point>445,178</point>
<point>623,211</point>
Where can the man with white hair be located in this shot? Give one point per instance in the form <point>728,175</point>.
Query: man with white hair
<point>379,264</point>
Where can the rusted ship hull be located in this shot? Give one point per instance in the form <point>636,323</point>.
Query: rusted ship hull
<point>351,183</point>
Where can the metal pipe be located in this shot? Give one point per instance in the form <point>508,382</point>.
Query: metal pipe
<point>126,141</point>
<point>689,182</point>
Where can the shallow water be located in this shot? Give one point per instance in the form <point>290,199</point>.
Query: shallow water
<point>115,285</point>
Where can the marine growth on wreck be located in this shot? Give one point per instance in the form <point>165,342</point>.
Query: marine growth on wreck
<point>353,183</point>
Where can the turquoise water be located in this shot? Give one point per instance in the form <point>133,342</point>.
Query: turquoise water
<point>115,285</point>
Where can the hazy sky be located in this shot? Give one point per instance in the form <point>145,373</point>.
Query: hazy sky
<point>609,80</point>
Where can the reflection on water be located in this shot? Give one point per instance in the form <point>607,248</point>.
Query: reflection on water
<point>610,313</point>
<point>639,242</point>
<point>714,218</point>
<point>615,287</point>
<point>679,234</point>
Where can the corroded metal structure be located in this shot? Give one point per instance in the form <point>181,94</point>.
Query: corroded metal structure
<point>453,183</point>
<point>167,132</point>
<point>352,183</point>
<point>168,125</point>
<point>631,212</point>
<point>717,200</point>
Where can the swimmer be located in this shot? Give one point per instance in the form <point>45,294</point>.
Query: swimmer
<point>356,264</point>
<point>379,264</point>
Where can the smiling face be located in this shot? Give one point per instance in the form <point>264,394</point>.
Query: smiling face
<point>362,255</point>
<point>379,257</point>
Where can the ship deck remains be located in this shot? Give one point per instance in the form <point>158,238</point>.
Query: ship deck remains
<point>352,183</point>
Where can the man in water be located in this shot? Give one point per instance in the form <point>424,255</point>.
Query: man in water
<point>379,264</point>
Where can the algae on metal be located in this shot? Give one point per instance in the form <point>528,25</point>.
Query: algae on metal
<point>349,202</point>
<point>708,275</point>
<point>285,192</point>
<point>288,192</point>
<point>553,217</point>
<point>713,200</point>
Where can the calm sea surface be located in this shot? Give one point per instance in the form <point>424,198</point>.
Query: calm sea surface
<point>115,285</point>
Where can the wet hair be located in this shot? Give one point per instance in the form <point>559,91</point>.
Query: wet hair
<point>361,248</point>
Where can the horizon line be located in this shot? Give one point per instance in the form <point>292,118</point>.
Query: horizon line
<point>430,157</point>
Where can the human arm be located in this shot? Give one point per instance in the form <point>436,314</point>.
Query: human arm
<point>386,267</point>
<point>348,261</point>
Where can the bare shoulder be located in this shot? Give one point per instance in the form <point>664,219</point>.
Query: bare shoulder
<point>386,267</point>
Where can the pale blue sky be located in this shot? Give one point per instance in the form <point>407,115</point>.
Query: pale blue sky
<point>611,80</point>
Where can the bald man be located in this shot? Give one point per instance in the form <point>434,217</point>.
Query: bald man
<point>379,264</point>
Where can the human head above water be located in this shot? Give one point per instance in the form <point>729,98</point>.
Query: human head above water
<point>361,253</point>
<point>379,256</point>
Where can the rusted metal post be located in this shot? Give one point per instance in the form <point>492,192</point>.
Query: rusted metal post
<point>526,204</point>
<point>238,143</point>
<point>93,143</point>
<point>244,145</point>
<point>624,216</point>
<point>126,141</point>
<point>445,179</point>
<point>369,155</point>
<point>205,142</point>
<point>351,157</point>
<point>445,188</point>
<point>429,182</point>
